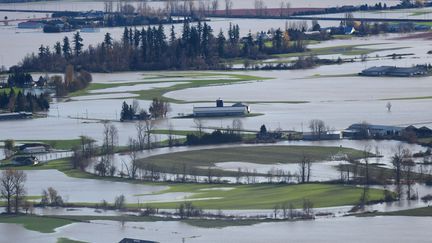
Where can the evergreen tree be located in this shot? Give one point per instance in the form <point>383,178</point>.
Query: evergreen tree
<point>108,41</point>
<point>66,48</point>
<point>57,48</point>
<point>77,41</point>
<point>125,38</point>
<point>221,44</point>
<point>172,35</point>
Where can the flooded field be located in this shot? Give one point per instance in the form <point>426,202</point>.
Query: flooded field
<point>404,229</point>
<point>88,190</point>
<point>98,5</point>
<point>286,99</point>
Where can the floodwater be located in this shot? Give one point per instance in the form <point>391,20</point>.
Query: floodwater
<point>345,229</point>
<point>99,5</point>
<point>89,190</point>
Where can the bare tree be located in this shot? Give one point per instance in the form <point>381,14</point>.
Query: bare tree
<point>304,169</point>
<point>110,138</point>
<point>259,7</point>
<point>7,188</point>
<point>389,106</point>
<point>308,169</point>
<point>19,180</point>
<point>9,147</point>
<point>365,195</point>
<point>238,175</point>
<point>228,7</point>
<point>215,5</point>
<point>209,174</point>
<point>276,210</point>
<point>237,126</point>
<point>141,135</point>
<point>12,189</point>
<point>401,153</point>
<point>113,135</point>
<point>132,167</point>
<point>199,124</point>
<point>317,127</point>
<point>170,135</point>
<point>408,167</point>
<point>307,207</point>
<point>148,128</point>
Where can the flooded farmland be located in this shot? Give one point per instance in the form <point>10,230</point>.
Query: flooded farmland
<point>282,100</point>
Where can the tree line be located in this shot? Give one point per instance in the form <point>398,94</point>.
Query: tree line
<point>17,102</point>
<point>150,49</point>
<point>157,109</point>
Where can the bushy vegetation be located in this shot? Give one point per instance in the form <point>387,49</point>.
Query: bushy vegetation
<point>216,137</point>
<point>17,102</point>
<point>150,49</point>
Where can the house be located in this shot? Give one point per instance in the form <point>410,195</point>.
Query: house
<point>363,130</point>
<point>407,72</point>
<point>30,148</point>
<point>25,160</point>
<point>376,71</point>
<point>395,71</point>
<point>237,109</point>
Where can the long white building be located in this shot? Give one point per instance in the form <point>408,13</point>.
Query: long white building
<point>237,109</point>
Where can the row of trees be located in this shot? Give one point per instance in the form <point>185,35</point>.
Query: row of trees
<point>150,49</point>
<point>158,109</point>
<point>17,102</point>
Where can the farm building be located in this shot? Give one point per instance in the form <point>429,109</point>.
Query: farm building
<point>367,130</point>
<point>238,109</point>
<point>30,148</point>
<point>394,71</point>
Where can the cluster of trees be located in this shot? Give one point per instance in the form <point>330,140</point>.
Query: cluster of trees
<point>187,210</point>
<point>215,137</point>
<point>268,136</point>
<point>365,7</point>
<point>9,147</point>
<point>158,109</point>
<point>150,49</point>
<point>17,102</point>
<point>82,155</point>
<point>19,78</point>
<point>105,166</point>
<point>132,112</point>
<point>286,210</point>
<point>12,189</point>
<point>51,197</point>
<point>74,80</point>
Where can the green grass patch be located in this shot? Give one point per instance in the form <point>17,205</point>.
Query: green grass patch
<point>58,144</point>
<point>266,196</point>
<point>7,90</point>
<point>223,78</point>
<point>203,223</point>
<point>346,50</point>
<point>36,223</point>
<point>67,240</point>
<point>197,161</point>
